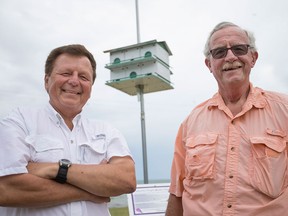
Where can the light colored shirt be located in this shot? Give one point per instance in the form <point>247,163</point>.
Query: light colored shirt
<point>233,165</point>
<point>41,135</point>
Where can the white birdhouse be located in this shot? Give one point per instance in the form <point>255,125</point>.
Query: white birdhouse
<point>145,64</point>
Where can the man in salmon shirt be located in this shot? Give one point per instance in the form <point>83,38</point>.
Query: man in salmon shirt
<point>230,154</point>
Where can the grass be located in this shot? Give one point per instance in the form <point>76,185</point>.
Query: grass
<point>119,211</point>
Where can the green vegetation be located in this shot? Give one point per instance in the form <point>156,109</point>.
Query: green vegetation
<point>119,211</point>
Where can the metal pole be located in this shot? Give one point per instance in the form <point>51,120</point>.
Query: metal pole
<point>137,22</point>
<point>143,129</point>
<point>140,92</point>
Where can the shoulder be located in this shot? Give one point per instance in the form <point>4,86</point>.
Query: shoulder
<point>271,102</point>
<point>275,97</point>
<point>22,112</point>
<point>200,110</point>
<point>22,118</point>
<point>205,105</point>
<point>278,96</point>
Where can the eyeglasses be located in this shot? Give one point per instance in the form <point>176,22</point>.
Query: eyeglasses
<point>238,50</point>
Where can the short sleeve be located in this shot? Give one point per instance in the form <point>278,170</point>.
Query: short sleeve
<point>14,153</point>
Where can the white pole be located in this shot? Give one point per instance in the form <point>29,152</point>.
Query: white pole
<point>137,22</point>
<point>142,114</point>
<point>143,130</point>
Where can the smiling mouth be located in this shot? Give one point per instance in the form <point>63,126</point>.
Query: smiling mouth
<point>71,92</point>
<point>231,68</point>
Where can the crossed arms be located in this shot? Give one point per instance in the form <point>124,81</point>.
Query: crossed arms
<point>95,183</point>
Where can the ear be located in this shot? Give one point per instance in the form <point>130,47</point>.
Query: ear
<point>208,64</point>
<point>254,58</point>
<point>46,79</point>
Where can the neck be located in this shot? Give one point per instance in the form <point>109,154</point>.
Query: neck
<point>234,94</point>
<point>68,120</point>
<point>67,116</point>
<point>234,98</point>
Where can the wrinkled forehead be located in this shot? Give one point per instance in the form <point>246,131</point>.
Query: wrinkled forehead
<point>229,35</point>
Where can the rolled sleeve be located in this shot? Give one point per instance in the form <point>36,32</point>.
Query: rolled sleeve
<point>178,166</point>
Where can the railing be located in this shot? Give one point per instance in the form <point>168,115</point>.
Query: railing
<point>135,60</point>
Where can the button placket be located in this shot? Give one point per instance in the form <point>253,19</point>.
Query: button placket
<point>231,169</point>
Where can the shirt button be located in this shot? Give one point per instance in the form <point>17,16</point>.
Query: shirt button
<point>231,176</point>
<point>232,148</point>
<point>229,205</point>
<point>71,141</point>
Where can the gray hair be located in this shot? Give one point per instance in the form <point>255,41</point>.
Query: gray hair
<point>223,25</point>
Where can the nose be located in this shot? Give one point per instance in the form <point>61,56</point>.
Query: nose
<point>74,80</point>
<point>230,55</point>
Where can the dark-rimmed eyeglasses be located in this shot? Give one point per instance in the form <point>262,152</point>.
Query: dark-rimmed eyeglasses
<point>238,50</point>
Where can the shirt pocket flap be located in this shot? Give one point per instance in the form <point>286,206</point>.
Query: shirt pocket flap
<point>278,133</point>
<point>274,143</point>
<point>201,139</point>
<point>42,143</point>
<point>96,146</point>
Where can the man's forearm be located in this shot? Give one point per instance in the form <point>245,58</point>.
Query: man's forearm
<point>26,190</point>
<point>110,179</point>
<point>174,207</point>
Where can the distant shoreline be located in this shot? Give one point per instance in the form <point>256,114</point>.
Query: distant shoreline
<point>154,181</point>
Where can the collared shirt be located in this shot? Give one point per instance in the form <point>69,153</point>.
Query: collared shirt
<point>233,165</point>
<point>41,135</point>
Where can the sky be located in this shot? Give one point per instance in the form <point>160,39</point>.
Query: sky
<point>30,29</point>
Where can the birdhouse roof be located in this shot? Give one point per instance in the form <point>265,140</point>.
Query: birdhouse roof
<point>161,43</point>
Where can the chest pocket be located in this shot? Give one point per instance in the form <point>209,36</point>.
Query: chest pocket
<point>200,156</point>
<point>269,167</point>
<point>95,152</point>
<point>45,148</point>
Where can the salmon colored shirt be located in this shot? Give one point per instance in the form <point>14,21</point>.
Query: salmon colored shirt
<point>233,165</point>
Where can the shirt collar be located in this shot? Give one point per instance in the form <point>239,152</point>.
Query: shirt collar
<point>255,98</point>
<point>57,118</point>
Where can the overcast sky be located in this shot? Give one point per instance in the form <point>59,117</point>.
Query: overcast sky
<point>30,29</point>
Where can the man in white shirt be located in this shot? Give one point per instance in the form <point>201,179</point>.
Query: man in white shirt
<point>53,161</point>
